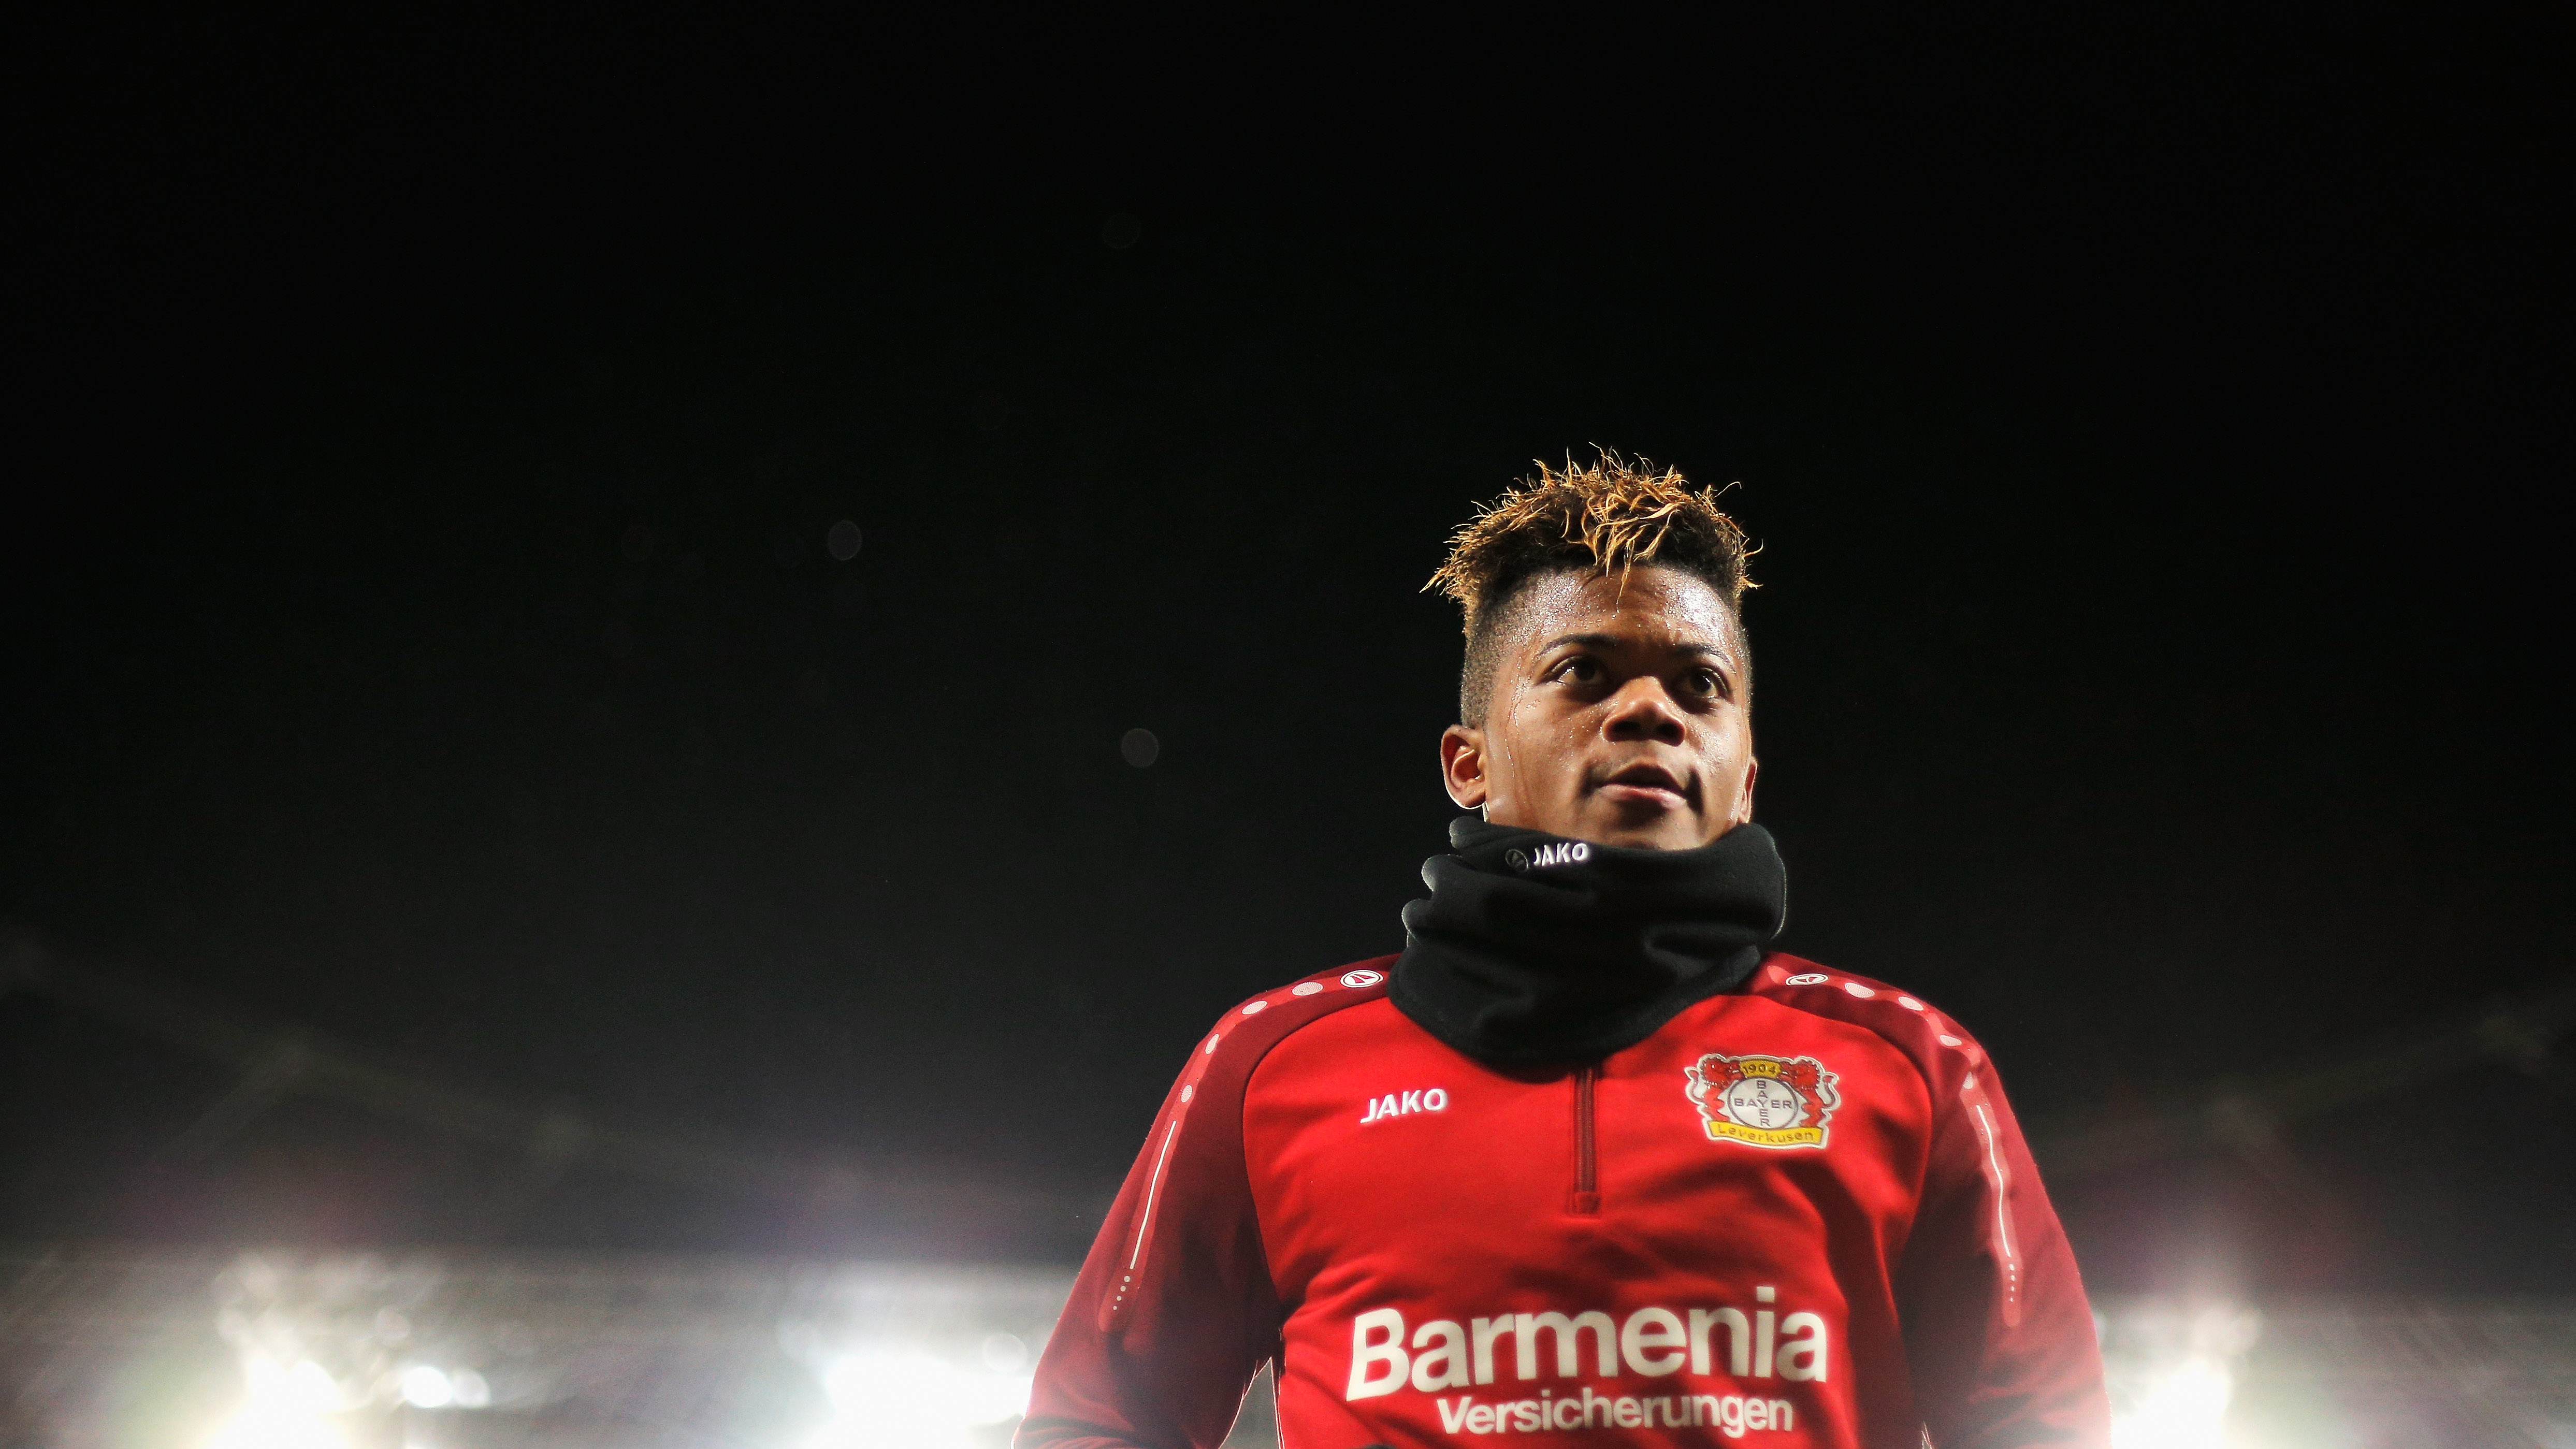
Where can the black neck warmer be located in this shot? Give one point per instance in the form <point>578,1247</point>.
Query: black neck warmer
<point>1534,948</point>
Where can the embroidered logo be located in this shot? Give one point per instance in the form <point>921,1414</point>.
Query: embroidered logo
<point>1402,1104</point>
<point>1764,1101</point>
<point>1563,852</point>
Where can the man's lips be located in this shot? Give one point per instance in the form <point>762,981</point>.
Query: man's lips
<point>1647,784</point>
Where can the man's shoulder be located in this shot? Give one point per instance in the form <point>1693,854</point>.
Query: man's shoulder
<point>1251,1027</point>
<point>1923,1032</point>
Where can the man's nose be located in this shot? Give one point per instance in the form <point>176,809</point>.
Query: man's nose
<point>1642,711</point>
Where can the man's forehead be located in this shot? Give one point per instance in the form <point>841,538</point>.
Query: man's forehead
<point>1656,609</point>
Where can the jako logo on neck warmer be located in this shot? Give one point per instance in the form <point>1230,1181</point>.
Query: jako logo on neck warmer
<point>1569,852</point>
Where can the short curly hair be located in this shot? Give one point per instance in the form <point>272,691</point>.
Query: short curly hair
<point>1611,514</point>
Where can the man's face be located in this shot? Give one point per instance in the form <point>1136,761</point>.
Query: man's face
<point>1617,716</point>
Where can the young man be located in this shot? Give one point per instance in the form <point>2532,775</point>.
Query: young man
<point>1586,1162</point>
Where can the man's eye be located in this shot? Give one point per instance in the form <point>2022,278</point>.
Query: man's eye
<point>1703,682</point>
<point>1579,669</point>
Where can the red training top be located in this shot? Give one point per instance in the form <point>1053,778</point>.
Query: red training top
<point>1799,1213</point>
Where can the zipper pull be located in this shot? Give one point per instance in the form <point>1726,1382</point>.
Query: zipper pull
<point>1585,1201</point>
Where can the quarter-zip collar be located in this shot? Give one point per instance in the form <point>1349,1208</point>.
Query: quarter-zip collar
<point>1533,948</point>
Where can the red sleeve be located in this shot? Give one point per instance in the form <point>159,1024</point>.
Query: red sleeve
<point>1999,1337</point>
<point>1175,1309</point>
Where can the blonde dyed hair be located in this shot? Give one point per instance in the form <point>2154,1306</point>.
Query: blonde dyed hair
<point>1603,517</point>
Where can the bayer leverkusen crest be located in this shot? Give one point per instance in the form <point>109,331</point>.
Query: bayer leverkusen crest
<point>1764,1101</point>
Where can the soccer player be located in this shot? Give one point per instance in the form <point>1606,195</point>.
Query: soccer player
<point>1587,1162</point>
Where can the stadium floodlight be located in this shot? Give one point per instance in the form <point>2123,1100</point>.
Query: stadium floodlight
<point>283,1408</point>
<point>426,1387</point>
<point>2186,1409</point>
<point>913,1401</point>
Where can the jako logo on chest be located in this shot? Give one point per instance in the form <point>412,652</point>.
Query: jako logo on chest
<point>1405,1104</point>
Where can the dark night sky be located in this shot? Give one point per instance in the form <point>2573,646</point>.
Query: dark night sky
<point>424,631</point>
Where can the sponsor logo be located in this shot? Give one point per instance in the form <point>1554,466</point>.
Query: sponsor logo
<point>1405,1104</point>
<point>1729,1414</point>
<point>1357,979</point>
<point>1652,1343</point>
<point>1761,1101</point>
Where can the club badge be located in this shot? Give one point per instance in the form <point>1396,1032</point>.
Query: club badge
<point>1764,1101</point>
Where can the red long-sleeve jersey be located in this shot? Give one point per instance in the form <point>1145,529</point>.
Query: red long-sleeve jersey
<point>1800,1213</point>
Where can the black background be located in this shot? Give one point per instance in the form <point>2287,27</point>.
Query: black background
<point>422,630</point>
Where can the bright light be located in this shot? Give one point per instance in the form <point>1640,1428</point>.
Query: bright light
<point>283,1409</point>
<point>2187,1409</point>
<point>471,1391</point>
<point>427,1388</point>
<point>913,1401</point>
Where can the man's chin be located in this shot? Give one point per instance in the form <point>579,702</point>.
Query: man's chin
<point>1668,830</point>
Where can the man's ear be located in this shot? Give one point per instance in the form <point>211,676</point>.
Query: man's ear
<point>1462,766</point>
<point>1744,801</point>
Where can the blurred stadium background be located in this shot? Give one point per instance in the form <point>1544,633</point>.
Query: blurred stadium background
<point>500,1352</point>
<point>280,1349</point>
